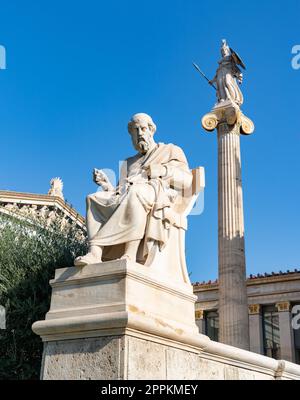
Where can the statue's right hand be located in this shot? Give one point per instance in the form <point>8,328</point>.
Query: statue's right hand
<point>101,179</point>
<point>97,178</point>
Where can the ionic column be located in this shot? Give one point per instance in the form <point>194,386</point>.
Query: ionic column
<point>233,307</point>
<point>287,348</point>
<point>256,329</point>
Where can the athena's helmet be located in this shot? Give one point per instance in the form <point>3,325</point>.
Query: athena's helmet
<point>225,50</point>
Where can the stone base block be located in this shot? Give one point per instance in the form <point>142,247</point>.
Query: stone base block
<point>128,357</point>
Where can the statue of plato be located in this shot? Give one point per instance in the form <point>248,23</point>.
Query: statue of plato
<point>139,211</point>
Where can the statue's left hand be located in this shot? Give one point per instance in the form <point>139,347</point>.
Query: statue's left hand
<point>156,171</point>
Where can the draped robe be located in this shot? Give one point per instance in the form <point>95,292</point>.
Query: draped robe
<point>225,78</point>
<point>140,207</point>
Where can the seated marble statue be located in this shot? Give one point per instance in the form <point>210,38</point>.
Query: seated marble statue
<point>140,210</point>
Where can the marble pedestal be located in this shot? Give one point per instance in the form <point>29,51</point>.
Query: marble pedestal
<point>115,320</point>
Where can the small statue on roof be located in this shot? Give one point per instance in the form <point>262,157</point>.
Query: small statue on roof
<point>56,188</point>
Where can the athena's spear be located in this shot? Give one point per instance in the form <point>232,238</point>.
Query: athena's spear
<point>199,70</point>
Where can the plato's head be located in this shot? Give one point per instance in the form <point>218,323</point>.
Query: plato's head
<point>141,128</point>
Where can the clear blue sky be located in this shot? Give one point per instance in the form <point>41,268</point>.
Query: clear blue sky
<point>77,70</point>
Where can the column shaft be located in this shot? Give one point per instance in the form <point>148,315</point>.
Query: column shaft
<point>256,329</point>
<point>287,347</point>
<point>233,308</point>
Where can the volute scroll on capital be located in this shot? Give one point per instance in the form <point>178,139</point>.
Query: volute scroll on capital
<point>210,121</point>
<point>231,116</point>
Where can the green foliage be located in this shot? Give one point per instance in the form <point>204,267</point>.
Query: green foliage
<point>30,251</point>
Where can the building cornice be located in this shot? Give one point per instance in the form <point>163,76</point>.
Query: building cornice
<point>40,199</point>
<point>283,277</point>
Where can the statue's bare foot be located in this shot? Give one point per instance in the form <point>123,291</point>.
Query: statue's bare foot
<point>89,258</point>
<point>131,249</point>
<point>128,257</point>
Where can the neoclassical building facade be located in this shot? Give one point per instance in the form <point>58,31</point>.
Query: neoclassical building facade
<point>272,301</point>
<point>47,206</point>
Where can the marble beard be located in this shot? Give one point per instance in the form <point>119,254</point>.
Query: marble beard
<point>138,212</point>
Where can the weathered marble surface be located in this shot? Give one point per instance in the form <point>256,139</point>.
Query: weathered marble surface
<point>82,359</point>
<point>117,295</point>
<point>129,357</point>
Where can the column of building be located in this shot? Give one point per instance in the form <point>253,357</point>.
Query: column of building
<point>256,329</point>
<point>200,321</point>
<point>287,347</point>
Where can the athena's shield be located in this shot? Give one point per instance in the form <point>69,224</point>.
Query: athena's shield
<point>237,59</point>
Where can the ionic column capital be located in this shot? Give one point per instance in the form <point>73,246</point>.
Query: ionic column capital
<point>199,314</point>
<point>283,306</point>
<point>254,309</point>
<point>230,114</point>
